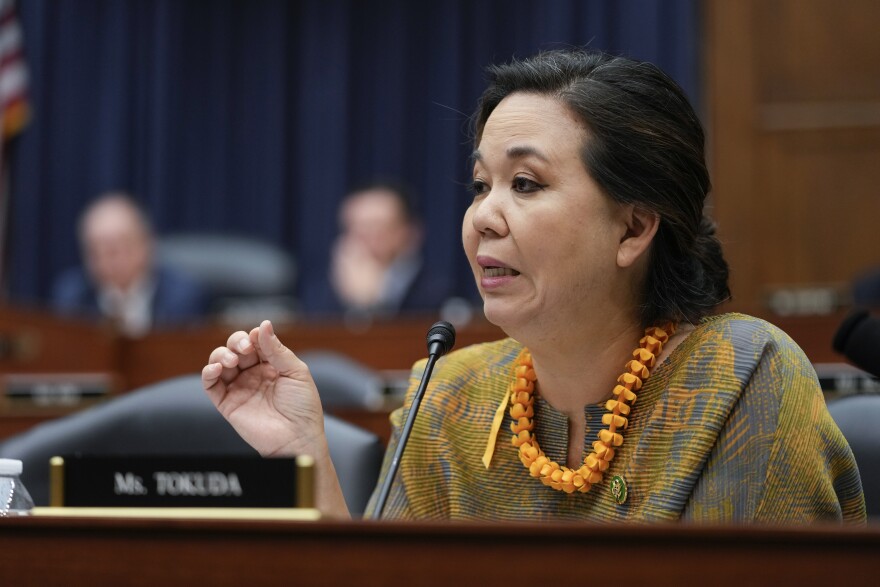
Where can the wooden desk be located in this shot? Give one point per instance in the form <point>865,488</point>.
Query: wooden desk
<point>76,552</point>
<point>385,345</point>
<point>32,341</point>
<point>35,342</point>
<point>390,345</point>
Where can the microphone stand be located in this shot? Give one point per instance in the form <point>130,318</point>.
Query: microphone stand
<point>439,344</point>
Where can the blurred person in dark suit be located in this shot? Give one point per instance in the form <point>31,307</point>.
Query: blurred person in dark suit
<point>376,266</point>
<point>120,280</point>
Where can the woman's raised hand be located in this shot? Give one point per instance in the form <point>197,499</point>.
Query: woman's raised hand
<point>267,393</point>
<point>269,397</point>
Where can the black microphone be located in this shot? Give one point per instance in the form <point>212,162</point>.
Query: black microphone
<point>441,339</point>
<point>858,339</point>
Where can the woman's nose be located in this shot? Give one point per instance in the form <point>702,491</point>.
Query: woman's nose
<point>488,216</point>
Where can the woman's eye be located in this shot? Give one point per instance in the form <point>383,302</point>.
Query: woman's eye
<point>524,185</point>
<point>478,188</point>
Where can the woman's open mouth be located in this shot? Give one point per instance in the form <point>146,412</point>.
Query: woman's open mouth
<point>499,272</point>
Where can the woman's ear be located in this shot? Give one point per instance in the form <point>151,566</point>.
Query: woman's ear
<point>641,226</point>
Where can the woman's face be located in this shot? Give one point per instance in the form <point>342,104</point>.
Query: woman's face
<point>540,235</point>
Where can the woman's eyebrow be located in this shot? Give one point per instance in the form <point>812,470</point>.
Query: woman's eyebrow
<point>522,151</point>
<point>515,152</point>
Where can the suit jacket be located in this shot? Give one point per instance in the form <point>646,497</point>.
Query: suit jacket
<point>177,298</point>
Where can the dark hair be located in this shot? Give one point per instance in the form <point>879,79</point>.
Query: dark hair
<point>645,147</point>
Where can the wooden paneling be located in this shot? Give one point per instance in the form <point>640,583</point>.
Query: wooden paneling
<point>794,140</point>
<point>821,201</point>
<point>72,347</point>
<point>48,347</point>
<point>38,342</point>
<point>384,346</point>
<point>32,341</point>
<point>816,50</point>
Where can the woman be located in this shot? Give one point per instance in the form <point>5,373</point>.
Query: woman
<point>587,240</point>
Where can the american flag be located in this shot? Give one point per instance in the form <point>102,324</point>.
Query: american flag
<point>13,74</point>
<point>14,111</point>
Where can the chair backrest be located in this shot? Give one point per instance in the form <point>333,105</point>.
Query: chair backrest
<point>858,417</point>
<point>245,277</point>
<point>343,382</point>
<point>176,417</point>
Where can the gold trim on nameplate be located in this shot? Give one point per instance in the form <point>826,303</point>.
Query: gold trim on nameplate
<point>305,481</point>
<point>56,482</point>
<point>305,514</point>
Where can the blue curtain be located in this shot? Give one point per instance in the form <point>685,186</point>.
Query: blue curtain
<point>254,117</point>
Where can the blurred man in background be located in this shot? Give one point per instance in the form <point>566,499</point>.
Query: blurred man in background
<point>120,280</point>
<point>376,267</point>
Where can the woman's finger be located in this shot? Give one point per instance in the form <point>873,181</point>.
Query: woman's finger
<point>273,351</point>
<point>211,374</point>
<point>240,343</point>
<point>228,360</point>
<point>237,356</point>
<point>224,356</point>
<point>211,382</point>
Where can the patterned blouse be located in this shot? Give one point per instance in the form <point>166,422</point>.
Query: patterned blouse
<point>730,427</point>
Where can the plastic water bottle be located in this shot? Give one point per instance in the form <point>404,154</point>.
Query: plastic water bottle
<point>14,498</point>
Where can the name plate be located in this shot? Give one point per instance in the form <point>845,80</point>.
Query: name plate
<point>55,389</point>
<point>840,379</point>
<point>180,481</point>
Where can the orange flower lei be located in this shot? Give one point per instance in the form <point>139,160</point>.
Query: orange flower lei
<point>522,401</point>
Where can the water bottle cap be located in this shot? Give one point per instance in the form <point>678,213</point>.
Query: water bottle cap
<point>10,467</point>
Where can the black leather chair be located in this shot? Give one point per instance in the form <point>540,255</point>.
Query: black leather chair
<point>176,417</point>
<point>858,417</point>
<point>344,382</point>
<point>247,279</point>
